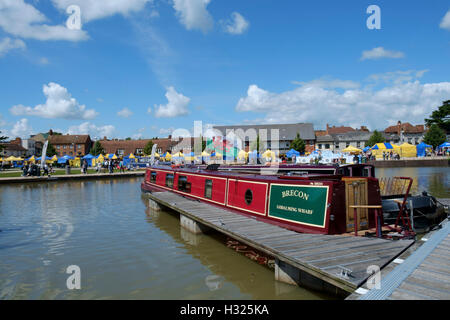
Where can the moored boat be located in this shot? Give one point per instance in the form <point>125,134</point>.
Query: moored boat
<point>308,203</point>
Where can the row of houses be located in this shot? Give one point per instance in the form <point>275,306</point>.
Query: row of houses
<point>274,136</point>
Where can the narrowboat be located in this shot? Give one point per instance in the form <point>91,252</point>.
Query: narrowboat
<point>309,202</point>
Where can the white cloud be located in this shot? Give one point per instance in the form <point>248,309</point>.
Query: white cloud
<point>407,101</point>
<point>445,23</point>
<point>2,122</point>
<point>380,52</point>
<point>125,113</point>
<point>59,105</point>
<point>94,9</point>
<point>22,129</point>
<point>23,20</point>
<point>7,44</point>
<point>176,106</point>
<point>330,83</point>
<point>44,61</point>
<point>93,130</point>
<point>237,25</point>
<point>193,14</point>
<point>397,77</point>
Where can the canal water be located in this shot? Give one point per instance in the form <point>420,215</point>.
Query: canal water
<point>126,251</point>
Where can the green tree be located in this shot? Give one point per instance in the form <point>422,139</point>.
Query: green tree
<point>435,136</point>
<point>97,149</point>
<point>441,117</point>
<point>51,151</point>
<point>148,148</point>
<point>2,138</point>
<point>376,137</point>
<point>257,145</point>
<point>298,144</point>
<point>127,139</point>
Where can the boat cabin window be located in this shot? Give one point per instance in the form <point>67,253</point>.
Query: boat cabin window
<point>169,180</point>
<point>248,196</point>
<point>153,177</point>
<point>183,184</point>
<point>208,188</point>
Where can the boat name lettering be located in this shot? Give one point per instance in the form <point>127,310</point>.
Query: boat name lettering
<point>295,193</point>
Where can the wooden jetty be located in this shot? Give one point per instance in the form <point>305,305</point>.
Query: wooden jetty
<point>422,273</point>
<point>336,264</point>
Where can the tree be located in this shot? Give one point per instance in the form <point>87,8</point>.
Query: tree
<point>2,138</point>
<point>435,136</point>
<point>441,117</point>
<point>51,151</point>
<point>298,144</point>
<point>376,137</point>
<point>148,148</point>
<point>97,149</point>
<point>257,145</point>
<point>127,139</point>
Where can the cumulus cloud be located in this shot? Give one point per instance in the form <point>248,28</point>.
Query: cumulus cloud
<point>21,129</point>
<point>25,21</point>
<point>237,24</point>
<point>407,101</point>
<point>125,113</point>
<point>380,53</point>
<point>92,10</point>
<point>193,14</point>
<point>176,106</point>
<point>59,105</point>
<point>8,44</point>
<point>445,23</point>
<point>93,130</point>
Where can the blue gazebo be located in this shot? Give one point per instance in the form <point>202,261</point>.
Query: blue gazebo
<point>292,153</point>
<point>421,149</point>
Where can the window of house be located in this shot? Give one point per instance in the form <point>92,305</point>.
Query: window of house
<point>208,188</point>
<point>139,151</point>
<point>183,184</point>
<point>336,145</point>
<point>153,177</point>
<point>358,144</point>
<point>65,147</point>
<point>327,146</point>
<point>320,146</point>
<point>169,180</point>
<point>79,146</point>
<point>120,152</point>
<point>58,146</point>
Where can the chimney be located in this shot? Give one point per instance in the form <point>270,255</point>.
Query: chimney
<point>50,133</point>
<point>399,127</point>
<point>328,127</point>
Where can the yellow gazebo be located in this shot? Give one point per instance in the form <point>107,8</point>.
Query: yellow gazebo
<point>242,155</point>
<point>54,158</point>
<point>131,156</point>
<point>168,156</point>
<point>269,154</point>
<point>157,155</point>
<point>12,158</point>
<point>178,154</point>
<point>408,150</point>
<point>352,149</point>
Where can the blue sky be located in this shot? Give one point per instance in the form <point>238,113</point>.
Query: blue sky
<point>142,68</point>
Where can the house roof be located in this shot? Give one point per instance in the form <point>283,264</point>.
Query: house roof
<point>406,128</point>
<point>13,147</point>
<point>68,139</point>
<point>285,131</point>
<point>130,146</point>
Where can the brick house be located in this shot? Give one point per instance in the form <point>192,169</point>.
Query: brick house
<point>407,132</point>
<point>71,145</point>
<point>13,148</point>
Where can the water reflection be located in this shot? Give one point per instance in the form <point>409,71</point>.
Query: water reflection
<point>434,180</point>
<point>124,250</point>
<point>227,266</point>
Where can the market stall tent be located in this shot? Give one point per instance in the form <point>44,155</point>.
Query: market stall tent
<point>408,150</point>
<point>421,149</point>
